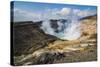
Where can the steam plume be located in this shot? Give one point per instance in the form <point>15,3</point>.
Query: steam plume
<point>69,30</point>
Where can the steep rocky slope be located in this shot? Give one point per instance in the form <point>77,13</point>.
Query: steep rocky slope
<point>28,37</point>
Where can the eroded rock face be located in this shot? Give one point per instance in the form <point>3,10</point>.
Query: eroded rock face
<point>28,37</point>
<point>89,27</point>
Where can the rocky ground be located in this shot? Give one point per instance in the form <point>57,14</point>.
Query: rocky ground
<point>47,49</point>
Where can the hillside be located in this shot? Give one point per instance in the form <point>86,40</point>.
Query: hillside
<point>28,37</point>
<point>33,46</point>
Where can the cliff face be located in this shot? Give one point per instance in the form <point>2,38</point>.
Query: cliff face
<point>28,37</point>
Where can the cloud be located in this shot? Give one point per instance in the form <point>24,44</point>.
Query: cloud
<point>24,15</point>
<point>84,13</point>
<point>63,13</point>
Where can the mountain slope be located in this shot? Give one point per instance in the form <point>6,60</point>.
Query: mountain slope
<point>28,37</point>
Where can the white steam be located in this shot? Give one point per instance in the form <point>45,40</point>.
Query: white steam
<point>69,30</point>
<point>47,28</point>
<point>73,32</point>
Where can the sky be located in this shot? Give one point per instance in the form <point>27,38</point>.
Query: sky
<point>34,11</point>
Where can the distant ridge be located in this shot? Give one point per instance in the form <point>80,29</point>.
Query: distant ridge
<point>89,17</point>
